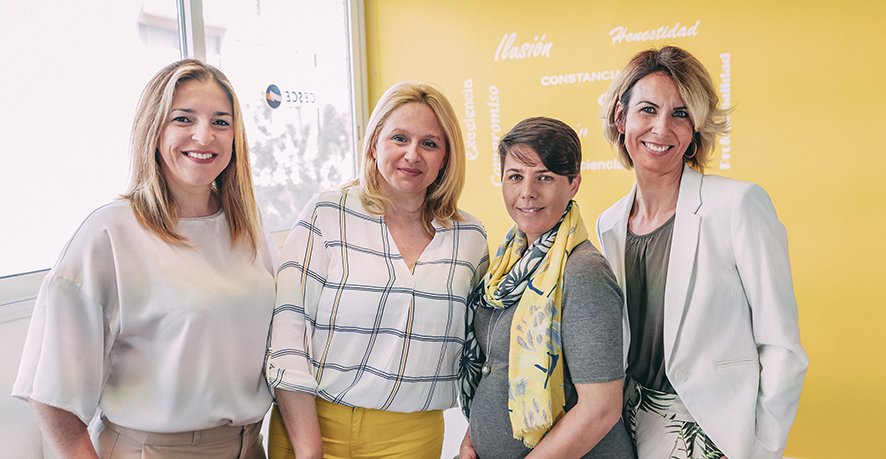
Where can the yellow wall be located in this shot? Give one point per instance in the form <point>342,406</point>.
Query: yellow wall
<point>807,80</point>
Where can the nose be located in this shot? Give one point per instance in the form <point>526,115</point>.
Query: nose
<point>527,189</point>
<point>412,152</point>
<point>660,125</point>
<point>202,133</point>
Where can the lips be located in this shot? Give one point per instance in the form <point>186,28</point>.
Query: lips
<point>530,211</point>
<point>656,147</point>
<point>410,172</point>
<point>198,155</point>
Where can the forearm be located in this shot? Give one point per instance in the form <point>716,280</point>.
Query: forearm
<point>299,411</point>
<point>582,427</point>
<point>64,432</point>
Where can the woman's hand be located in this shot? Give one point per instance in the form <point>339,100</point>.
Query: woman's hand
<point>65,433</point>
<point>466,451</point>
<point>299,412</point>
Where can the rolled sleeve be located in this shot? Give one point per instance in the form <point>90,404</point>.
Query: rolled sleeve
<point>300,278</point>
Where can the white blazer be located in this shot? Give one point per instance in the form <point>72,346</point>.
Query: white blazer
<point>731,339</point>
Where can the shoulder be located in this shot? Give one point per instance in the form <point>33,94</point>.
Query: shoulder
<point>586,263</point>
<point>336,211</point>
<point>106,221</point>
<point>346,200</point>
<point>589,287</point>
<point>469,236</point>
<point>734,195</point>
<point>727,188</point>
<point>333,202</point>
<point>111,214</point>
<point>470,224</point>
<point>610,216</point>
<point>469,219</point>
<point>332,199</point>
<point>93,244</point>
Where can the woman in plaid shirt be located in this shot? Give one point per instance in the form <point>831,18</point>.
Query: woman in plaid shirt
<point>372,292</point>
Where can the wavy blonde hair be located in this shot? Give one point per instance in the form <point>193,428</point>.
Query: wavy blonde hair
<point>695,86</point>
<point>148,193</point>
<point>441,199</point>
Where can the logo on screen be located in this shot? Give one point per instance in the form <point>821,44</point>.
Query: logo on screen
<point>272,95</point>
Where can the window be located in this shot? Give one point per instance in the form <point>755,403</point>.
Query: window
<point>290,64</point>
<point>73,72</point>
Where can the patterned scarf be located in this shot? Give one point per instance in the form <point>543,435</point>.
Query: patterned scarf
<point>532,279</point>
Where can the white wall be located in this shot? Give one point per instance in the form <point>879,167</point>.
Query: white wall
<point>19,435</point>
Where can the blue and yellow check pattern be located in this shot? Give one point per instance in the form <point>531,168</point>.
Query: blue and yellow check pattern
<point>355,326</point>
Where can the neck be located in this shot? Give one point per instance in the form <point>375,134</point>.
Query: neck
<point>403,212</point>
<point>657,193</point>
<point>191,205</point>
<point>401,205</point>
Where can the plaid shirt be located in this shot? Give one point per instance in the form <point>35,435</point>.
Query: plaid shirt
<point>355,326</point>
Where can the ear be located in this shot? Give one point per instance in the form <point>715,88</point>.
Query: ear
<point>573,187</point>
<point>619,117</point>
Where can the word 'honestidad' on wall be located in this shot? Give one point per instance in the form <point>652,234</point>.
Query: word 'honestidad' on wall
<point>561,73</point>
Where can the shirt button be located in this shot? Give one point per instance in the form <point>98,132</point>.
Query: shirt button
<point>680,375</point>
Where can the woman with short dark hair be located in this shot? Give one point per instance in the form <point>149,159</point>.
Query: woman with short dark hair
<point>542,372</point>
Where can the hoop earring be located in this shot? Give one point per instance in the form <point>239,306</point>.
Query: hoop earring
<point>694,151</point>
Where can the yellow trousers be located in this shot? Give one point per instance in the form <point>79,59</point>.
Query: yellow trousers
<point>366,433</point>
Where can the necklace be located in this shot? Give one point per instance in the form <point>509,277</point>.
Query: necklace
<point>490,330</point>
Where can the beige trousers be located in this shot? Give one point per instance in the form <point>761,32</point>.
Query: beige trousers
<point>224,442</point>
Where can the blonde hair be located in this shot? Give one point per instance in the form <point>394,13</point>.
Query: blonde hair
<point>148,193</point>
<point>441,199</point>
<point>695,86</point>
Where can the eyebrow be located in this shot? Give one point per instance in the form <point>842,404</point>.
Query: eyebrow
<point>656,105</point>
<point>540,171</point>
<point>189,110</point>
<point>398,130</point>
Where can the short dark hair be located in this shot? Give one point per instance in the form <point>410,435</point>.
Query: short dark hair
<point>555,142</point>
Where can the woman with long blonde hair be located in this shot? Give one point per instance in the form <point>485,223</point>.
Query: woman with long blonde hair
<point>372,293</point>
<point>156,312</point>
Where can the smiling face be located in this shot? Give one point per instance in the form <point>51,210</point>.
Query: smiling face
<point>656,125</point>
<point>197,141</point>
<point>534,196</point>
<point>410,151</point>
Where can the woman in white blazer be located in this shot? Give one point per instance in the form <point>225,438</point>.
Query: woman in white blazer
<point>714,365</point>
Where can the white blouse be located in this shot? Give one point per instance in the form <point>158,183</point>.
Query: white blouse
<point>161,337</point>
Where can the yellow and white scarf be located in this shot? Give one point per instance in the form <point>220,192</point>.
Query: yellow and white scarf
<point>532,279</point>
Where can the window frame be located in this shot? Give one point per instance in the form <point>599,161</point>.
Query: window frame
<point>21,288</point>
